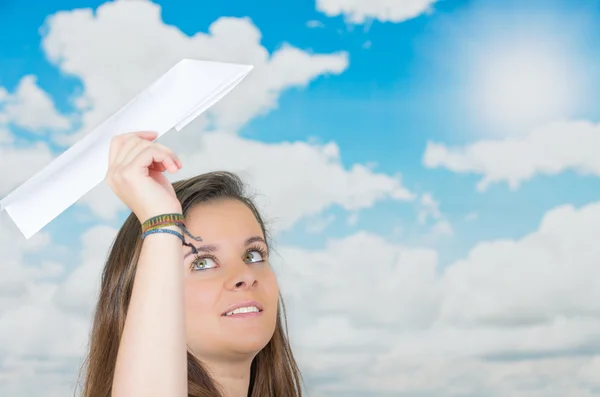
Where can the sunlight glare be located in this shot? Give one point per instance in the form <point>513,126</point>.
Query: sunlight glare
<point>522,86</point>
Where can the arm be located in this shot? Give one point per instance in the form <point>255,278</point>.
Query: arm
<point>152,358</point>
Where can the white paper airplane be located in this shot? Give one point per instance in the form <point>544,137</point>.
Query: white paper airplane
<point>176,98</point>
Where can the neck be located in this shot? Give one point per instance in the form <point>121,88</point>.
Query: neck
<point>232,377</point>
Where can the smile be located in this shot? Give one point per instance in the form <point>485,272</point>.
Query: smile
<point>249,308</point>
<point>243,310</point>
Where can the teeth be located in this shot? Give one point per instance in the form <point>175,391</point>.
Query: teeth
<point>248,309</point>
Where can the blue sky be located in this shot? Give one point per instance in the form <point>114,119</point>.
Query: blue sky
<point>406,88</point>
<point>451,78</point>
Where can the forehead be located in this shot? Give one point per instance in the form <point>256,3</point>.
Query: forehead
<point>222,219</point>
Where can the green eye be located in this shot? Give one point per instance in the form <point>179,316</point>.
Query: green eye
<point>254,256</point>
<point>203,263</point>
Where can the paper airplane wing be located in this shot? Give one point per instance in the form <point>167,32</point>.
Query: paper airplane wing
<point>176,98</point>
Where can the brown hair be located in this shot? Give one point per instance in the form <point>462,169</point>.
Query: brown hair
<point>274,372</point>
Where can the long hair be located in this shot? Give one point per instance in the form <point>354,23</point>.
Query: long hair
<point>274,371</point>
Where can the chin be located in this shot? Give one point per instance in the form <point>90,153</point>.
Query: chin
<point>232,348</point>
<point>249,343</point>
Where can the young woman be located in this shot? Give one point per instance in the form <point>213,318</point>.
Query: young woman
<point>189,305</point>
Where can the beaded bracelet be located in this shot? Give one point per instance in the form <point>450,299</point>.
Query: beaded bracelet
<point>157,224</point>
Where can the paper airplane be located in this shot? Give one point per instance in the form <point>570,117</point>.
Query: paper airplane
<point>176,98</point>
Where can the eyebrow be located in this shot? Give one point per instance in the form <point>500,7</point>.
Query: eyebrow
<point>212,248</point>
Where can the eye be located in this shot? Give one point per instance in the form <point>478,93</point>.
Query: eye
<point>254,256</point>
<point>203,263</point>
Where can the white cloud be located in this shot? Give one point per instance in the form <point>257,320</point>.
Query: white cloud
<point>44,329</point>
<point>116,55</point>
<point>472,216</point>
<point>313,23</point>
<point>430,210</point>
<point>294,179</point>
<point>15,283</point>
<point>400,280</point>
<point>31,108</point>
<point>550,273</point>
<point>352,219</point>
<point>359,11</point>
<point>548,150</point>
<point>442,228</point>
<point>22,163</point>
<point>5,137</point>
<point>460,376</point>
<point>370,316</point>
<point>521,314</point>
<point>78,292</point>
<point>82,44</point>
<point>318,224</point>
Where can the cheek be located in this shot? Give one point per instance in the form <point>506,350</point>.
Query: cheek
<point>201,300</point>
<point>201,313</point>
<point>271,286</point>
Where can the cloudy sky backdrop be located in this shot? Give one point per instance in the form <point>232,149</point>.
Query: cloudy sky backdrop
<point>430,169</point>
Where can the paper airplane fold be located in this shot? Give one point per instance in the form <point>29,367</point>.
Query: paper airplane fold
<point>175,99</point>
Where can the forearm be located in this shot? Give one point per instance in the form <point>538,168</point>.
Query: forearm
<point>152,358</point>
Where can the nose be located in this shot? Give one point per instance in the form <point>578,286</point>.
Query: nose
<point>241,278</point>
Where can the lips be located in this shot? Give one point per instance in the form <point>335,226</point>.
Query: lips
<point>243,308</point>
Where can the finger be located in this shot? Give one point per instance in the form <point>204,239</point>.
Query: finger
<point>173,157</point>
<point>158,167</point>
<point>154,154</point>
<point>133,150</point>
<point>129,141</point>
<point>144,145</point>
<point>169,162</point>
<point>147,135</point>
<point>145,162</point>
<point>116,143</point>
<point>178,161</point>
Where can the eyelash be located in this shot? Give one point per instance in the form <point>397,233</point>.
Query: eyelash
<point>258,248</point>
<point>198,258</point>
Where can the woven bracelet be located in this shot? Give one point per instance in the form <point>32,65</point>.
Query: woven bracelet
<point>169,231</point>
<point>162,220</point>
<point>168,220</point>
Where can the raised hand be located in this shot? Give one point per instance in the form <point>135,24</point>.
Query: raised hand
<point>135,174</point>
